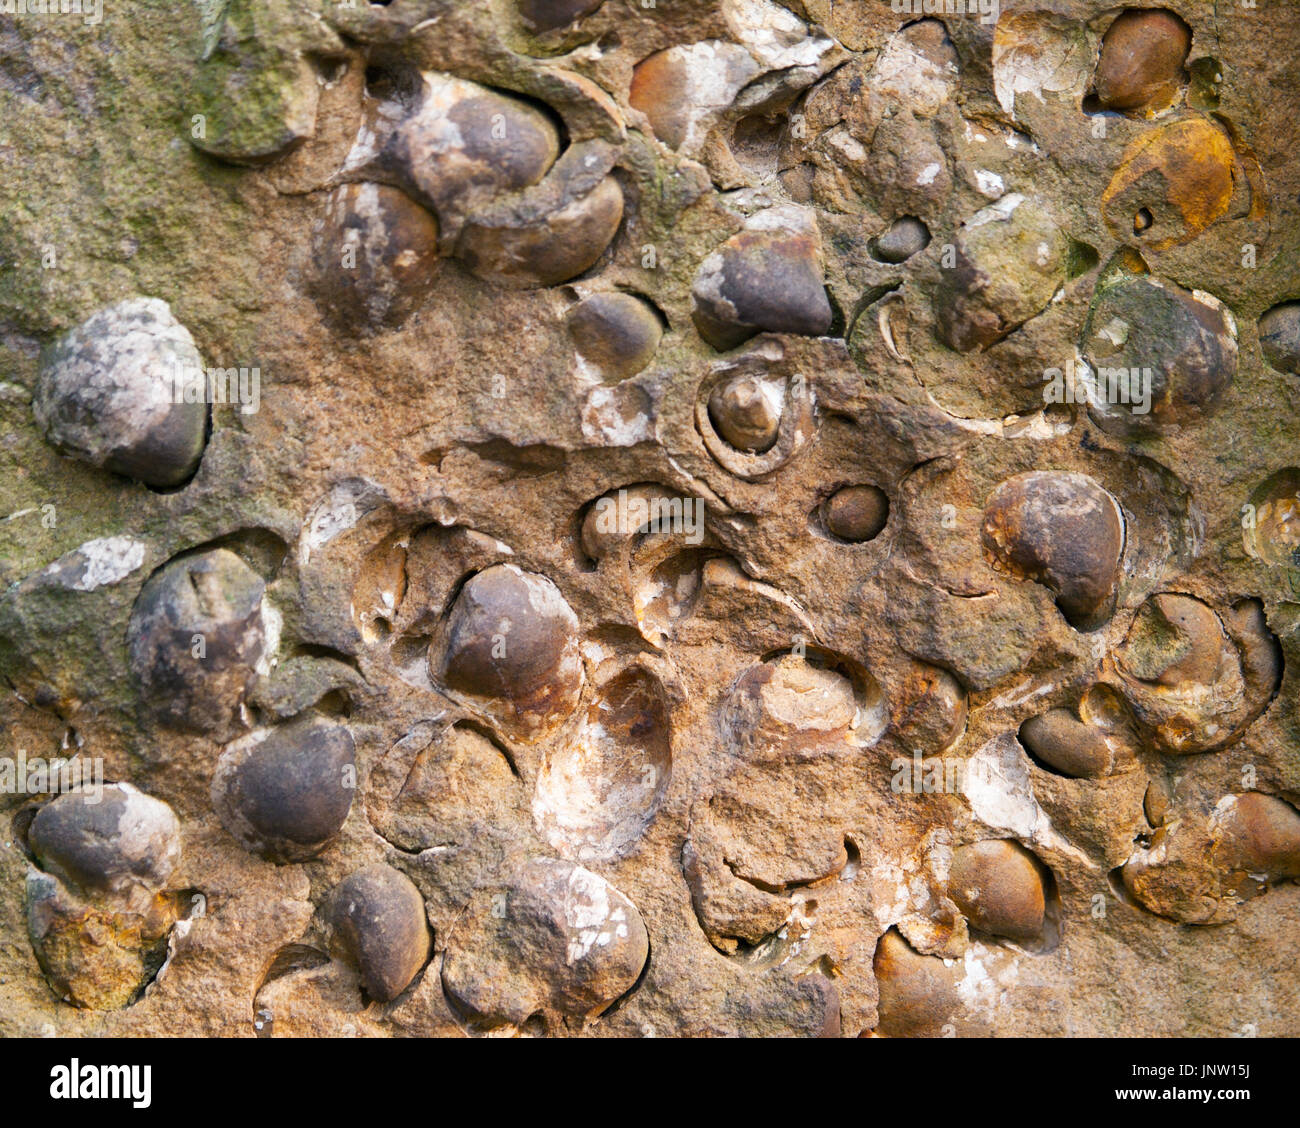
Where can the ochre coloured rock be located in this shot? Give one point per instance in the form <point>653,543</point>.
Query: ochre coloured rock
<point>1141,62</point>
<point>1065,743</point>
<point>1000,887</point>
<point>1261,833</point>
<point>918,994</point>
<point>1172,182</point>
<point>856,513</point>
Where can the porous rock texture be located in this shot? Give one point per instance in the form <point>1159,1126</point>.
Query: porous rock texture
<point>947,702</point>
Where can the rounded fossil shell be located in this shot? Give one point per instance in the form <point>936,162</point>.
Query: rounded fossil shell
<point>107,843</point>
<point>196,635</point>
<point>750,401</point>
<point>1061,530</point>
<point>1068,745</point>
<point>377,921</point>
<point>285,794</point>
<point>107,394</point>
<point>1279,337</point>
<point>1160,357</point>
<point>511,648</point>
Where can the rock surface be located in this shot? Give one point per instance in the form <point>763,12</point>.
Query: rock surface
<point>915,678</point>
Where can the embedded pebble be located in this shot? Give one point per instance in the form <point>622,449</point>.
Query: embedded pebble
<point>377,921</point>
<point>1000,887</point>
<point>375,257</point>
<point>769,278</point>
<point>1262,834</point>
<point>197,633</point>
<point>511,645</point>
<point>1161,357</point>
<point>548,15</point>
<point>550,233</point>
<point>453,145</point>
<point>1279,337</point>
<point>1172,183</point>
<point>286,795</point>
<point>1061,530</point>
<point>107,394</point>
<point>1141,61</point>
<point>901,240</point>
<point>616,333</point>
<point>1069,745</point>
<point>790,705</point>
<point>1010,260</point>
<point>856,513</point>
<point>614,518</point>
<point>746,411</point>
<point>918,994</point>
<point>109,843</point>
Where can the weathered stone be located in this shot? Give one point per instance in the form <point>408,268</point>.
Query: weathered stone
<point>196,635</point>
<point>1061,530</point>
<point>375,257</point>
<point>746,411</point>
<point>1068,745</point>
<point>511,647</point>
<point>1161,357</point>
<point>286,793</point>
<point>769,277</point>
<point>378,923</point>
<point>112,393</point>
<point>552,940</point>
<point>901,240</point>
<point>1172,183</point>
<point>548,15</point>
<point>107,843</point>
<point>1010,260</point>
<point>1279,337</point>
<point>1141,62</point>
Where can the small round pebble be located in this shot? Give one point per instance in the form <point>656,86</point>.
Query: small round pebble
<point>856,513</point>
<point>378,922</point>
